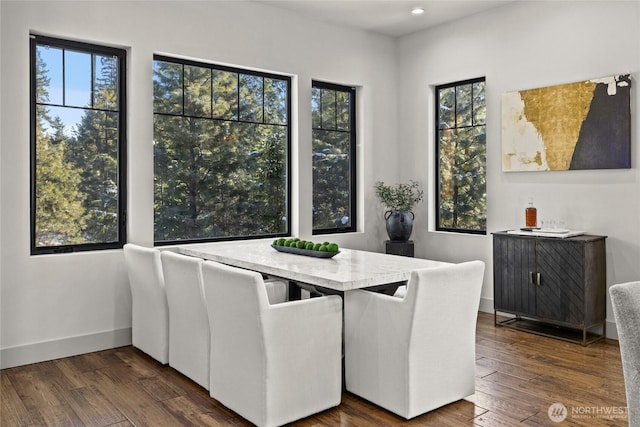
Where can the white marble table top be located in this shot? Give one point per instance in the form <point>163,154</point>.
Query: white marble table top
<point>350,269</point>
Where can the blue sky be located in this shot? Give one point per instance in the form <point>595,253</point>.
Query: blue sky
<point>77,83</point>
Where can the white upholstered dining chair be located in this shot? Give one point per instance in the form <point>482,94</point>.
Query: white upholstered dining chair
<point>271,363</point>
<point>414,354</point>
<point>188,321</point>
<point>149,311</point>
<point>625,300</point>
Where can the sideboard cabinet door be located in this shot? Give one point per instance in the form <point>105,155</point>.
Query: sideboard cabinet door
<point>561,290</point>
<point>514,259</point>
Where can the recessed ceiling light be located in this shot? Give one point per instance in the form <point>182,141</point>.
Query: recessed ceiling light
<point>417,11</point>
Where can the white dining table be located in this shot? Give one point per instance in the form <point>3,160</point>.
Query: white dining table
<point>350,269</point>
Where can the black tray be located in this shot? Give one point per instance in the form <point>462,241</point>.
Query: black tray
<point>305,252</point>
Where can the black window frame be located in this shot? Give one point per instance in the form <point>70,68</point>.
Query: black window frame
<point>121,54</point>
<point>214,66</point>
<point>353,157</point>
<point>438,88</point>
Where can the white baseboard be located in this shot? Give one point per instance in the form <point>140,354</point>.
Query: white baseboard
<point>486,306</point>
<point>612,330</point>
<point>65,347</point>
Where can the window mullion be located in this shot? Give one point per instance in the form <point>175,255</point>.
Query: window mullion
<point>184,91</point>
<point>455,108</point>
<point>238,97</point>
<point>64,77</point>
<point>335,109</point>
<point>263,90</point>
<point>321,109</point>
<point>472,106</point>
<point>93,80</point>
<point>211,92</point>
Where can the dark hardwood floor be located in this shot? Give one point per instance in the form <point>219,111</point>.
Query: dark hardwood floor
<point>518,377</point>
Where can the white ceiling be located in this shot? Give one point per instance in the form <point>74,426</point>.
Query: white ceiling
<point>390,17</point>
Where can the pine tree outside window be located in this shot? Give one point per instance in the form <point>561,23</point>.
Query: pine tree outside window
<point>461,157</point>
<point>333,109</point>
<point>78,154</point>
<point>221,152</point>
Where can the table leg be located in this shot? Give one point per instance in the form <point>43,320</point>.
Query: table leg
<point>295,292</point>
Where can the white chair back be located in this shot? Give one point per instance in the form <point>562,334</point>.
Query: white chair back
<point>149,310</point>
<point>235,299</point>
<point>270,363</point>
<point>414,354</point>
<point>188,321</point>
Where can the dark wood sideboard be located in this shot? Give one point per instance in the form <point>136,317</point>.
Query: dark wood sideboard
<point>551,286</point>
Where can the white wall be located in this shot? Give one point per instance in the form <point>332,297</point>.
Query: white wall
<point>523,46</point>
<point>56,305</point>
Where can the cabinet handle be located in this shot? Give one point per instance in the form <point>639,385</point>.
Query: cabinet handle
<point>535,278</point>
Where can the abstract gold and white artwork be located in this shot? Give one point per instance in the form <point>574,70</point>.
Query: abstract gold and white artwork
<point>583,125</point>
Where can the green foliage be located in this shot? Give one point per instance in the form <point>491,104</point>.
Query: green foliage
<point>462,158</point>
<point>219,172</point>
<point>76,194</point>
<point>94,152</point>
<point>59,211</point>
<point>399,197</point>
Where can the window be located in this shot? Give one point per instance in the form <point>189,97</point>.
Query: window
<point>461,157</point>
<point>221,152</point>
<point>333,110</point>
<point>78,146</point>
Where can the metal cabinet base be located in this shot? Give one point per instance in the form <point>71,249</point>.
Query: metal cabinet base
<point>584,336</point>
